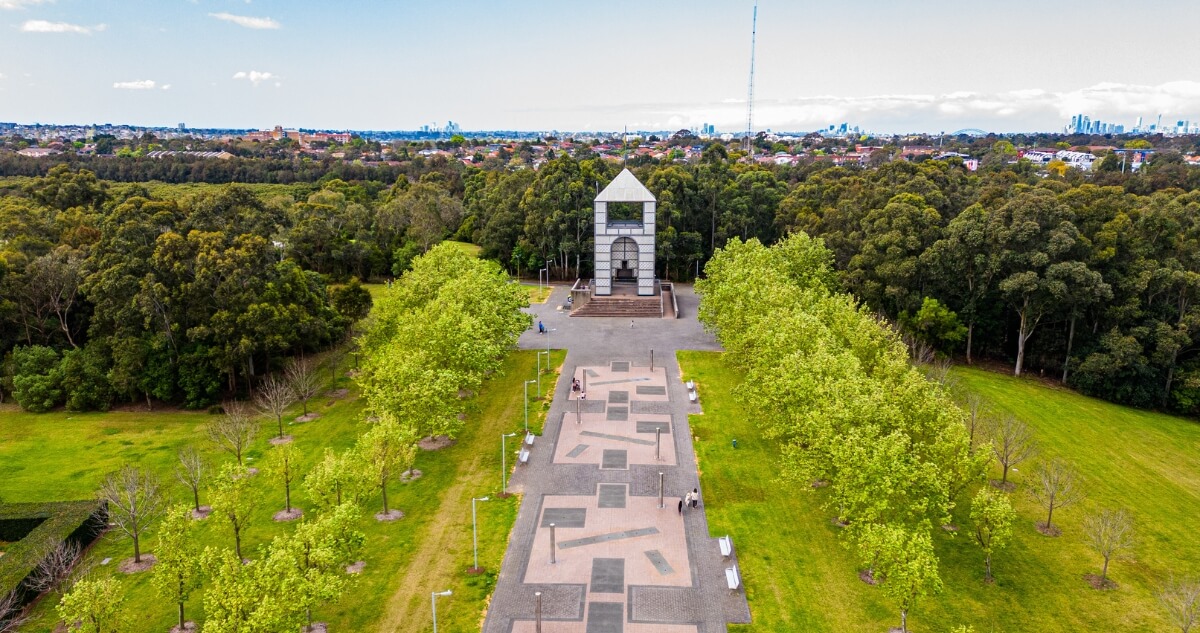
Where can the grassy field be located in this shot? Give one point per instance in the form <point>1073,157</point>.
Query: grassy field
<point>799,577</point>
<point>59,456</point>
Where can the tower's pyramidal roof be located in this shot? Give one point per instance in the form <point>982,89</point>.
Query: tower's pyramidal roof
<point>625,188</point>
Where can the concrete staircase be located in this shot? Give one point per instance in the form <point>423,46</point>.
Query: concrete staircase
<point>627,307</point>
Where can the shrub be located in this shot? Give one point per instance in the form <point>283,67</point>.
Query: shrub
<point>37,382</point>
<point>84,376</point>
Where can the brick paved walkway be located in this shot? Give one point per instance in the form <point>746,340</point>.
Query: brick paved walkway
<point>622,563</point>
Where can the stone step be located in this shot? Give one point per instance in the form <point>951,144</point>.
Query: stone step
<point>621,307</point>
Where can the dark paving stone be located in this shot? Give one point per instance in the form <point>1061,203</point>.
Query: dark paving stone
<point>616,459</point>
<point>651,390</point>
<point>604,538</point>
<point>618,381</point>
<point>606,617</point>
<point>646,426</point>
<point>592,373</point>
<point>578,450</point>
<point>588,406</point>
<point>617,414</point>
<point>659,561</point>
<point>618,438</point>
<point>564,517</point>
<point>608,575</point>
<point>637,407</point>
<point>612,496</point>
<point>619,365</point>
<point>618,397</point>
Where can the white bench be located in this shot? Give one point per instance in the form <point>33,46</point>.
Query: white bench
<point>693,396</point>
<point>732,578</point>
<point>726,543</point>
<point>529,437</point>
<point>691,385</point>
<point>523,456</point>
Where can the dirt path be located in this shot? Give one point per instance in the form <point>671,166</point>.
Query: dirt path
<point>432,566</point>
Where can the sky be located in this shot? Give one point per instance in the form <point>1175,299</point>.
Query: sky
<point>884,65</point>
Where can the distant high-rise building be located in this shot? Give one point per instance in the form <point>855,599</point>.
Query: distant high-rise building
<point>182,127</point>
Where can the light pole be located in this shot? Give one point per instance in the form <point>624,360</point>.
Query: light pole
<point>539,374</point>
<point>433,601</point>
<point>504,462</point>
<point>527,383</point>
<point>475,531</point>
<point>548,331</point>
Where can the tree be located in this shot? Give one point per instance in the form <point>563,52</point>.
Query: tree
<point>134,501</point>
<point>93,606</point>
<point>335,479</point>
<point>302,376</point>
<point>319,551</point>
<point>177,573</point>
<point>190,472</point>
<point>243,598</point>
<point>274,396</point>
<point>992,515</point>
<point>281,464</point>
<point>1181,600</point>
<point>904,562</point>
<point>234,498</point>
<point>1110,534</point>
<point>385,449</point>
<point>978,421</point>
<point>1012,443</point>
<point>1057,487</point>
<point>233,430</point>
<point>54,568</point>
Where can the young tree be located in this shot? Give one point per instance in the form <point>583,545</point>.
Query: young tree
<point>242,598</point>
<point>302,376</point>
<point>190,473</point>
<point>234,498</point>
<point>133,501</point>
<point>1057,487</point>
<point>177,573</point>
<point>1110,534</point>
<point>93,606</point>
<point>274,396</point>
<point>319,551</point>
<point>334,479</point>
<point>903,562</point>
<point>1181,600</point>
<point>281,464</point>
<point>978,420</point>
<point>993,516</point>
<point>387,448</point>
<point>1012,443</point>
<point>54,568</point>
<point>233,431</point>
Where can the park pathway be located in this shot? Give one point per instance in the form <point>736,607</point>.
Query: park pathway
<point>621,563</point>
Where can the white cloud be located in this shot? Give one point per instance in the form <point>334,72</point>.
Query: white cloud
<point>19,4</point>
<point>3,76</point>
<point>42,26</point>
<point>255,77</point>
<point>166,86</point>
<point>141,84</point>
<point>246,21</point>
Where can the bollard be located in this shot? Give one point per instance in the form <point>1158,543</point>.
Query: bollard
<point>578,412</point>
<point>651,360</point>
<point>538,612</point>
<point>735,442</point>
<point>657,443</point>
<point>552,561</point>
<point>660,490</point>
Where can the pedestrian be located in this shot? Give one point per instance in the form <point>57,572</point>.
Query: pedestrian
<point>541,328</point>
<point>631,324</point>
<point>695,497</point>
<point>681,507</point>
<point>583,395</point>
<point>687,500</point>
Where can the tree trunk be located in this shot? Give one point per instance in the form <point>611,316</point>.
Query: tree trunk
<point>137,550</point>
<point>181,615</point>
<point>987,566</point>
<point>1020,344</point>
<point>970,336</point>
<point>1067,360</point>
<point>287,495</point>
<point>1049,516</point>
<point>306,406</point>
<point>1170,377</point>
<point>903,620</point>
<point>237,542</point>
<point>1004,474</point>
<point>279,420</point>
<point>196,497</point>
<point>1104,572</point>
<point>383,486</point>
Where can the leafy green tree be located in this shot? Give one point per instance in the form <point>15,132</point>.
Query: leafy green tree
<point>336,479</point>
<point>935,324</point>
<point>177,573</point>
<point>319,552</point>
<point>235,497</point>
<point>94,606</point>
<point>992,516</point>
<point>386,449</point>
<point>904,563</point>
<point>351,301</point>
<point>37,381</point>
<point>281,464</point>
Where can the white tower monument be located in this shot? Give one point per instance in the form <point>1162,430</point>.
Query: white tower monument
<point>625,235</point>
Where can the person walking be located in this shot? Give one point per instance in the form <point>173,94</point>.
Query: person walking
<point>695,498</point>
<point>681,507</point>
<point>687,500</point>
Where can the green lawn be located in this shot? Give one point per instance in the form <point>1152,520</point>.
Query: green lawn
<point>538,294</point>
<point>60,456</point>
<point>799,577</point>
<point>468,248</point>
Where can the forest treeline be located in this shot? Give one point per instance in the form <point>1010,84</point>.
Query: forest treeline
<point>1084,277</point>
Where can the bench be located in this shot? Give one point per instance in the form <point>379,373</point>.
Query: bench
<point>732,578</point>
<point>691,385</point>
<point>529,437</point>
<point>523,456</point>
<point>726,543</point>
<point>693,396</point>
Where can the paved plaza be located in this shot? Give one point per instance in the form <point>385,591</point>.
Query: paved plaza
<point>619,562</point>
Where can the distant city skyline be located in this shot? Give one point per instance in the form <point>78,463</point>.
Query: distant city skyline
<point>541,65</point>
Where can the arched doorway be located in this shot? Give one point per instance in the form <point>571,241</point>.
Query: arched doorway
<point>624,258</point>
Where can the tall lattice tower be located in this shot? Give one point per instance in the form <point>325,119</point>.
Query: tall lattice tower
<point>748,140</point>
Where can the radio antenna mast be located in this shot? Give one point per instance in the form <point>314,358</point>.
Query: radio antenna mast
<point>748,141</point>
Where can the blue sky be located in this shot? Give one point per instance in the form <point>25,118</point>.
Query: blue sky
<point>648,64</point>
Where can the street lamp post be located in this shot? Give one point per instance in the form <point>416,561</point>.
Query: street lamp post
<point>504,462</point>
<point>539,374</point>
<point>475,531</point>
<point>527,383</point>
<point>433,601</point>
